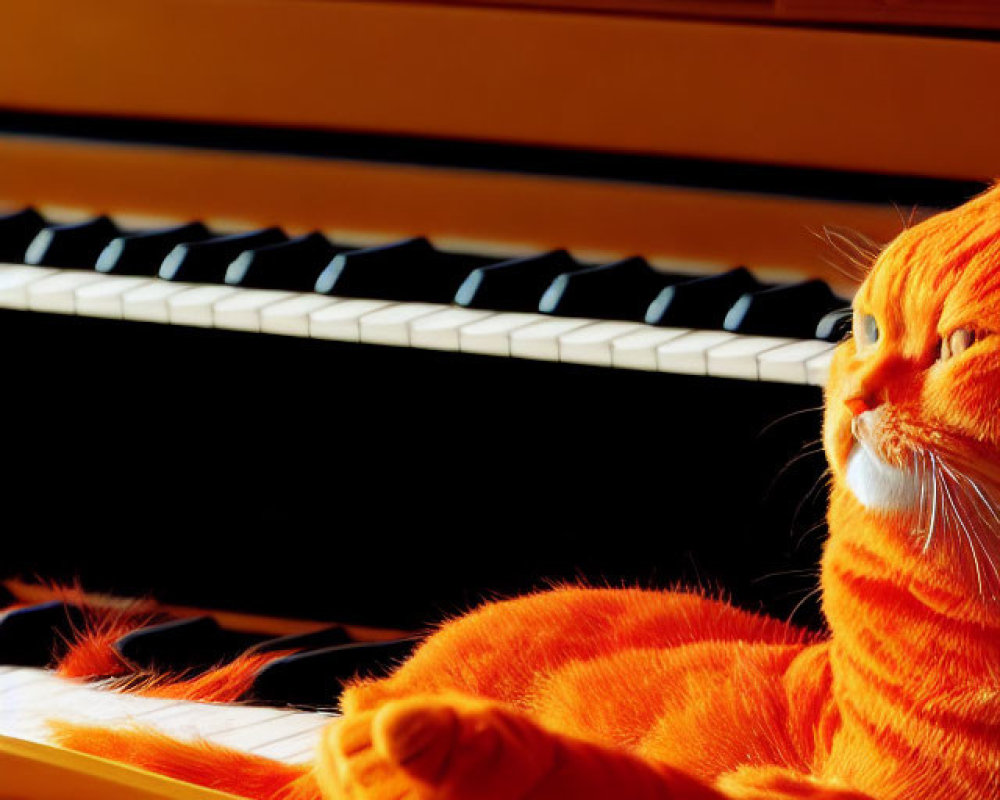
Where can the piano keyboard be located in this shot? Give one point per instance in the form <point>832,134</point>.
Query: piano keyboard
<point>30,697</point>
<point>404,294</point>
<point>290,699</point>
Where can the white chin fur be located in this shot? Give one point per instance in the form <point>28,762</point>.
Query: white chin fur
<point>880,486</point>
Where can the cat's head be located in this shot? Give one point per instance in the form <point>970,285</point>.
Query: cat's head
<point>912,425</point>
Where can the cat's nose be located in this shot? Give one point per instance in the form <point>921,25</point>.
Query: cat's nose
<point>860,403</point>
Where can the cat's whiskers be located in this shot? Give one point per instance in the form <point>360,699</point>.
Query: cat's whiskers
<point>978,500</point>
<point>976,519</point>
<point>922,480</point>
<point>803,601</point>
<point>808,449</point>
<point>934,499</point>
<point>801,538</point>
<point>822,480</point>
<point>790,415</point>
<point>857,250</point>
<point>964,529</point>
<point>956,504</point>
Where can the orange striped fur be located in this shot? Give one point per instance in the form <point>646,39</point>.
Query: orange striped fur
<point>597,693</point>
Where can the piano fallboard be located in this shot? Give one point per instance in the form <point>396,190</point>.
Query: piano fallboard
<point>388,485</point>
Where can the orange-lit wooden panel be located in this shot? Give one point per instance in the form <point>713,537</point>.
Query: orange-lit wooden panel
<point>523,211</point>
<point>875,102</point>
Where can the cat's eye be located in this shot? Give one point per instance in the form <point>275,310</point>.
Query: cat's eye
<point>866,332</point>
<point>957,342</point>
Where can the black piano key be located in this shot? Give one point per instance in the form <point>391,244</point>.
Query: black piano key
<point>208,260</point>
<point>327,637</point>
<point>293,265</point>
<point>34,636</point>
<point>700,302</point>
<point>793,310</point>
<point>182,645</point>
<point>75,246</point>
<point>835,326</point>
<point>622,290</point>
<point>408,271</point>
<point>514,285</point>
<point>315,679</point>
<point>17,231</point>
<point>142,253</point>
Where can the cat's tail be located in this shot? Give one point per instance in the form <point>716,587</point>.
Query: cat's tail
<point>200,763</point>
<point>91,653</point>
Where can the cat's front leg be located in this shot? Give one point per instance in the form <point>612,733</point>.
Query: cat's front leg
<point>455,747</point>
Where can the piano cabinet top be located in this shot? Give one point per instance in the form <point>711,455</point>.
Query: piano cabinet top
<point>903,102</point>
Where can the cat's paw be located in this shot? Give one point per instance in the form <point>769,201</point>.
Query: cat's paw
<point>349,767</point>
<point>435,748</point>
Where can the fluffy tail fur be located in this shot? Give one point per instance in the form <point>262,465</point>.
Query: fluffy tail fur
<point>200,763</point>
<point>90,654</point>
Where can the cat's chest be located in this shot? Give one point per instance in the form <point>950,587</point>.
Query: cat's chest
<point>880,486</point>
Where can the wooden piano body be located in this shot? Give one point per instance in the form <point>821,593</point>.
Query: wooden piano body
<point>392,485</point>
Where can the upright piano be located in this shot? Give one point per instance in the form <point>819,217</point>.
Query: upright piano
<point>327,319</point>
<point>367,311</point>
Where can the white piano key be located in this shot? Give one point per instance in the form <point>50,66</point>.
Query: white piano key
<point>197,306</point>
<point>255,737</point>
<point>291,317</point>
<point>294,749</point>
<point>57,293</point>
<point>302,755</point>
<point>541,340</point>
<point>340,321</point>
<point>172,716</point>
<point>25,696</point>
<point>212,720</point>
<point>687,354</point>
<point>28,710</point>
<point>242,311</point>
<point>104,298</point>
<point>14,282</point>
<point>149,303</point>
<point>440,331</point>
<point>788,364</point>
<point>392,325</point>
<point>19,677</point>
<point>31,698</point>
<point>592,344</point>
<point>491,336</point>
<point>424,325</point>
<point>739,358</point>
<point>116,708</point>
<point>818,368</point>
<point>638,350</point>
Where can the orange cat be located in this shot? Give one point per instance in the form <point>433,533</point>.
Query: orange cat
<point>581,693</point>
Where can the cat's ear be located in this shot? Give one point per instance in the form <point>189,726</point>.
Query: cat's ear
<point>851,253</point>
